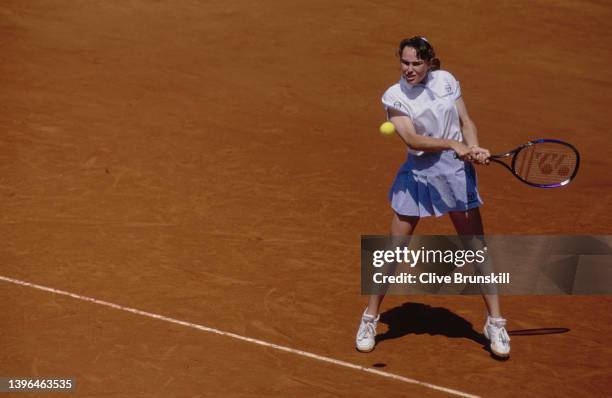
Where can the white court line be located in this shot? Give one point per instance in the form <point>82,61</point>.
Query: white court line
<point>243,338</point>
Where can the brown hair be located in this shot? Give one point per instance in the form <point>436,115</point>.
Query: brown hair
<point>424,50</point>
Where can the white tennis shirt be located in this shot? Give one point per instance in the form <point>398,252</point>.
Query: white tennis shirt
<point>430,105</point>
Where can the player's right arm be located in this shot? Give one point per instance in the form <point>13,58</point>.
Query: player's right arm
<point>405,129</point>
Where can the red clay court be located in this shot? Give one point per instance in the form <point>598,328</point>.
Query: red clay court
<point>215,163</point>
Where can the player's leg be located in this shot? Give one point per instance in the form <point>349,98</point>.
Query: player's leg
<point>470,223</point>
<point>400,226</point>
<point>366,334</point>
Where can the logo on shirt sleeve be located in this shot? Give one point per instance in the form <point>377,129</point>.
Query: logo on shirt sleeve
<point>397,105</point>
<point>448,88</point>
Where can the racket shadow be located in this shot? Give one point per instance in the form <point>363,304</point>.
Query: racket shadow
<point>538,331</point>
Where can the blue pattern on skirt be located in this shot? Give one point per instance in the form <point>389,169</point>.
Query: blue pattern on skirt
<point>434,184</point>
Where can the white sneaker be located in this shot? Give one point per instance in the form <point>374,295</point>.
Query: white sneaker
<point>495,331</point>
<point>366,335</point>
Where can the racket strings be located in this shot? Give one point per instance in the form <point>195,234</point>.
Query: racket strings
<point>546,163</point>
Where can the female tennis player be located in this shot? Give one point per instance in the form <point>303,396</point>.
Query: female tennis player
<point>438,178</point>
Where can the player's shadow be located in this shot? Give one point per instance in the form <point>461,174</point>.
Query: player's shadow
<point>417,318</point>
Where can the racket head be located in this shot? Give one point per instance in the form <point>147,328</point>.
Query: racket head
<point>545,163</point>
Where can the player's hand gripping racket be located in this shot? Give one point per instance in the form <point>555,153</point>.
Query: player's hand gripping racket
<point>542,163</point>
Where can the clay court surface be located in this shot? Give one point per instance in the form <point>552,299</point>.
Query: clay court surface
<point>216,162</point>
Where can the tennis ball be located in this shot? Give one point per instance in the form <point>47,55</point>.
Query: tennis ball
<point>387,128</point>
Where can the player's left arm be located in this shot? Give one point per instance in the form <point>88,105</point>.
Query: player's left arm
<point>470,133</point>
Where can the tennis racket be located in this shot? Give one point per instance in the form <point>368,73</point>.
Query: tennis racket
<point>542,163</point>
